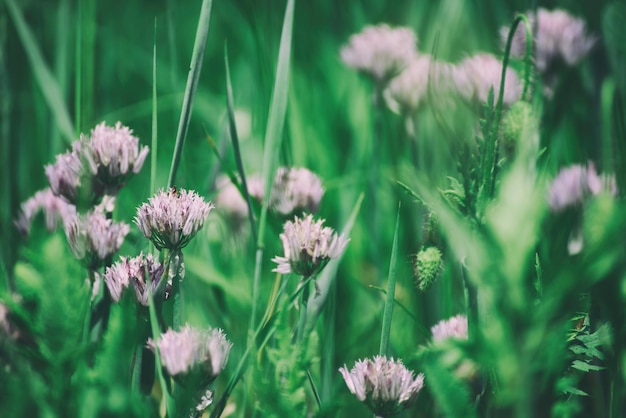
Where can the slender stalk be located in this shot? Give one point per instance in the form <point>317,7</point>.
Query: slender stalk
<point>306,289</point>
<point>391,292</point>
<point>192,86</point>
<point>153,156</point>
<point>175,267</point>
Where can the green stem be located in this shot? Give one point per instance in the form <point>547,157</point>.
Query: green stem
<point>178,314</point>
<point>391,291</point>
<point>306,289</point>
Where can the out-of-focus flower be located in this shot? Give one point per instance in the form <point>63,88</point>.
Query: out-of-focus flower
<point>93,238</point>
<point>203,353</point>
<point>230,203</point>
<point>171,219</point>
<point>575,183</point>
<point>54,208</point>
<point>116,153</point>
<point>559,37</point>
<point>477,75</point>
<point>380,51</point>
<point>428,266</point>
<point>296,190</point>
<point>410,90</point>
<point>70,171</point>
<point>205,401</point>
<point>134,271</point>
<point>455,327</point>
<point>387,387</point>
<point>308,246</point>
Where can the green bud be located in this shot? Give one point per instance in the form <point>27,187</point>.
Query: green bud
<point>428,266</point>
<point>513,125</point>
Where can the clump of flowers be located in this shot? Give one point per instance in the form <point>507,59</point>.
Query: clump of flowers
<point>135,271</point>
<point>296,190</point>
<point>387,387</point>
<point>308,246</point>
<point>428,266</point>
<point>193,353</point>
<point>478,74</point>
<point>452,328</point>
<point>574,184</point>
<point>381,51</point>
<point>70,171</point>
<point>93,238</point>
<point>171,219</point>
<point>229,201</point>
<point>55,209</point>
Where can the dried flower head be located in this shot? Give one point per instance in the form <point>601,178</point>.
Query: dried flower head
<point>455,327</point>
<point>296,190</point>
<point>55,209</point>
<point>409,90</point>
<point>171,219</point>
<point>94,239</point>
<point>559,37</point>
<point>575,183</point>
<point>380,51</point>
<point>116,153</point>
<point>308,246</point>
<point>201,353</point>
<point>134,271</point>
<point>428,266</point>
<point>70,171</point>
<point>385,386</point>
<point>478,74</point>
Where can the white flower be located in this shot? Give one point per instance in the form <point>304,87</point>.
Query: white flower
<point>574,183</point>
<point>455,327</point>
<point>308,246</point>
<point>171,219</point>
<point>93,238</point>
<point>134,271</point>
<point>478,74</point>
<point>296,189</point>
<point>387,387</point>
<point>192,350</point>
<point>559,36</point>
<point>54,208</point>
<point>380,51</point>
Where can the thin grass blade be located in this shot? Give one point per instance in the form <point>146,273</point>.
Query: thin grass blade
<point>391,291</point>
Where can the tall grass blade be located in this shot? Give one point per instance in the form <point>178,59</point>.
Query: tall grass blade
<point>195,67</point>
<point>273,137</point>
<point>46,81</point>
<point>391,291</point>
<point>154,142</point>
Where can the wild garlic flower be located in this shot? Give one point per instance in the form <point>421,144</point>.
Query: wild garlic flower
<point>134,271</point>
<point>230,203</point>
<point>308,246</point>
<point>116,153</point>
<point>190,351</point>
<point>410,90</point>
<point>575,183</point>
<point>171,219</point>
<point>477,75</point>
<point>559,37</point>
<point>296,190</point>
<point>93,238</point>
<point>455,327</point>
<point>70,171</point>
<point>387,387</point>
<point>381,51</point>
<point>55,209</point>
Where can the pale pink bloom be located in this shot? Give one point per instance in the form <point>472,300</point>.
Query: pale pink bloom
<point>171,219</point>
<point>308,246</point>
<point>455,328</point>
<point>559,36</point>
<point>296,190</point>
<point>93,238</point>
<point>70,170</point>
<point>380,51</point>
<point>55,209</point>
<point>116,151</point>
<point>477,75</point>
<point>191,350</point>
<point>229,201</point>
<point>574,184</point>
<point>134,271</point>
<point>387,387</point>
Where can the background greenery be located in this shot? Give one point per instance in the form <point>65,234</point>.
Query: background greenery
<point>328,129</point>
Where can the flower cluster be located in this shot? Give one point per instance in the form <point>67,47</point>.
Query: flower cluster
<point>193,352</point>
<point>135,271</point>
<point>69,171</point>
<point>171,219</point>
<point>455,327</point>
<point>93,238</point>
<point>296,190</point>
<point>55,209</point>
<point>387,387</point>
<point>478,74</point>
<point>308,246</point>
<point>380,51</point>
<point>575,183</point>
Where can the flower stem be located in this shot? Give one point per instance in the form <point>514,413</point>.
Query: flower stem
<point>304,299</point>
